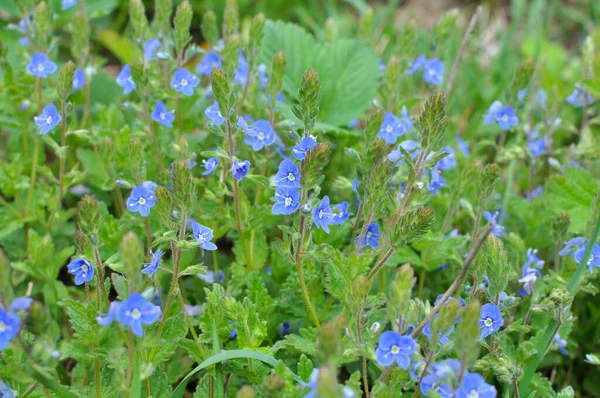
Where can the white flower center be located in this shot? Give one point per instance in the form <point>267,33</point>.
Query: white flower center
<point>320,213</point>
<point>473,394</point>
<point>291,177</point>
<point>505,117</point>
<point>200,238</point>
<point>431,72</point>
<point>136,314</point>
<point>84,268</point>
<point>142,201</point>
<point>261,136</point>
<point>395,349</point>
<point>162,116</point>
<point>288,201</point>
<point>488,322</point>
<point>389,128</point>
<point>49,120</point>
<point>2,326</point>
<point>75,82</point>
<point>40,68</point>
<point>184,82</point>
<point>369,234</point>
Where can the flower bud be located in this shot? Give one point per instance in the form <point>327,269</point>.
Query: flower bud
<point>275,83</point>
<point>365,25</point>
<point>65,81</point>
<point>411,226</point>
<point>182,23</point>
<point>162,15</point>
<point>560,225</point>
<point>308,96</point>
<point>331,30</point>
<point>89,217</point>
<point>138,20</point>
<point>210,32</point>
<point>432,121</point>
<point>230,20</point>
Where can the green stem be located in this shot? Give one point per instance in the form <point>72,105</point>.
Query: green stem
<point>365,376</point>
<point>62,159</point>
<point>131,350</point>
<point>299,250</point>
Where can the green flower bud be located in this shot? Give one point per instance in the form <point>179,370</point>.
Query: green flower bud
<point>327,385</point>
<point>138,20</point>
<point>231,55</point>
<point>331,30</point>
<point>65,80</point>
<point>131,253</point>
<point>432,121</point>
<point>446,26</point>
<point>560,225</point>
<point>391,83</point>
<point>274,384</point>
<point>181,31</point>
<point>81,243</point>
<point>80,32</point>
<point>329,340</point>
<point>441,325</point>
<point>210,31</point>
<point>521,79</point>
<point>162,16</point>
<point>222,91</point>
<point>256,36</point>
<point>466,336</point>
<point>489,175</point>
<point>89,218</point>
<point>184,189</point>
<point>42,25</point>
<point>164,208</point>
<point>587,57</point>
<point>246,392</point>
<point>492,261</point>
<point>411,226</point>
<point>308,95</point>
<point>400,292</point>
<point>136,158</point>
<point>406,40</point>
<point>357,295</point>
<point>365,25</point>
<point>230,20</point>
<point>275,83</point>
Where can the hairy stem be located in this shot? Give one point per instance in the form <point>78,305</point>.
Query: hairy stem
<point>364,358</point>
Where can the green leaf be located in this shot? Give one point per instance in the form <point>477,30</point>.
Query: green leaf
<point>136,381</point>
<point>305,367</point>
<point>175,329</point>
<point>50,382</point>
<point>122,48</point>
<point>82,319</point>
<point>566,392</point>
<point>224,356</point>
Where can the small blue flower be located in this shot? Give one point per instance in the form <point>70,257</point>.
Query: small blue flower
<point>449,161</point>
<point>537,147</point>
<point>490,116</point>
<point>203,235</point>
<point>535,193</point>
<point>210,165</point>
<point>580,97</point>
<point>150,269</point>
<point>561,344</point>
<point>240,169</point>
<point>474,385</point>
<point>393,347</point>
<point>9,327</point>
<point>506,118</point>
<point>232,332</point>
<point>409,146</point>
<point>288,174</point>
<point>353,123</point>
<point>193,310</point>
<point>209,277</point>
<point>417,65</point>
<point>66,4</point>
<point>83,271</point>
<point>530,275</point>
<point>5,391</point>
<point>433,72</point>
<point>572,246</point>
<point>442,339</point>
<point>210,61</point>
<point>78,79</point>
<point>490,320</point>
<point>162,115</point>
<point>151,47</point>
<point>134,312</point>
<point>299,151</point>
<point>498,229</point>
<point>125,80</point>
<point>371,236</point>
<point>20,304</point>
<point>263,79</point>
<point>184,81</point>
<point>23,27</point>
<point>446,369</point>
<point>41,66</point>
<point>594,260</point>
<point>48,119</point>
<point>323,215</point>
<point>284,328</point>
<point>287,200</point>
<point>214,114</point>
<point>505,299</point>
<point>436,181</point>
<point>240,74</point>
<point>340,213</point>
<point>391,129</point>
<point>141,200</point>
<point>260,135</point>
<point>463,146</point>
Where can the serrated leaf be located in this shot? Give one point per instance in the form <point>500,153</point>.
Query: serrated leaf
<point>175,329</point>
<point>305,367</point>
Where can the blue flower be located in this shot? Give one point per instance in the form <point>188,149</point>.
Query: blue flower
<point>433,72</point>
<point>353,123</point>
<point>150,269</point>
<point>287,200</point>
<point>417,65</point>
<point>83,271</point>
<point>260,135</point>
<point>505,299</point>
<point>5,391</point>
<point>240,74</point>
<point>393,347</point>
<point>463,146</point>
<point>580,97</point>
<point>371,236</point>
<point>446,369</point>
<point>214,114</point>
<point>535,192</point>
<point>490,320</point>
<point>340,213</point>
<point>134,312</point>
<point>9,327</point>
<point>23,27</point>
<point>263,79</point>
<point>474,385</point>
<point>233,332</point>
<point>162,115</point>
<point>498,229</point>
<point>449,161</point>
<point>537,147</point>
<point>210,165</point>
<point>124,79</point>
<point>323,215</point>
<point>529,276</point>
<point>203,235</point>
<point>594,260</point>
<point>391,129</point>
<point>572,246</point>
<point>299,151</point>
<point>506,118</point>
<point>409,146</point>
<point>240,169</point>
<point>561,344</point>
<point>78,79</point>
<point>288,174</point>
<point>490,116</point>
<point>66,4</point>
<point>41,66</point>
<point>141,200</point>
<point>151,47</point>
<point>284,328</point>
<point>184,81</point>
<point>209,277</point>
<point>210,61</point>
<point>20,304</point>
<point>442,339</point>
<point>48,119</point>
<point>436,181</point>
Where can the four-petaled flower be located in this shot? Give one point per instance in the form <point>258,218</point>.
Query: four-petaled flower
<point>498,229</point>
<point>150,269</point>
<point>449,161</point>
<point>371,236</point>
<point>210,165</point>
<point>572,246</point>
<point>20,304</point>
<point>66,4</point>
<point>391,129</point>
<point>203,235</point>
<point>594,260</point>
<point>240,169</point>
<point>83,271</point>
<point>142,198</point>
<point>506,118</point>
<point>393,347</point>
<point>125,80</point>
<point>162,115</point>
<point>436,181</point>
<point>259,135</point>
<point>78,79</point>
<point>411,147</point>
<point>537,147</point>
<point>580,97</point>
<point>184,81</point>
<point>214,114</point>
<point>323,215</point>
<point>287,200</point>
<point>9,327</point>
<point>151,47</point>
<point>209,277</point>
<point>490,116</point>
<point>134,312</point>
<point>433,72</point>
<point>41,66</point>
<point>490,320</point>
<point>48,119</point>
<point>288,174</point>
<point>340,213</point>
<point>299,151</point>
<point>210,61</point>
<point>474,385</point>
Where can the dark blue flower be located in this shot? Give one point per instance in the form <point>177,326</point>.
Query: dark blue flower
<point>184,81</point>
<point>260,135</point>
<point>580,97</point>
<point>141,200</point>
<point>41,66</point>
<point>203,235</point>
<point>134,312</point>
<point>490,320</point>
<point>474,385</point>
<point>284,328</point>
<point>288,174</point>
<point>299,151</point>
<point>162,115</point>
<point>125,80</point>
<point>5,391</point>
<point>323,215</point>
<point>287,200</point>
<point>371,236</point>
<point>151,47</point>
<point>83,271</point>
<point>594,260</point>
<point>210,61</point>
<point>340,213</point>
<point>78,79</point>
<point>417,65</point>
<point>498,229</point>
<point>240,169</point>
<point>209,277</point>
<point>572,246</point>
<point>507,118</point>
<point>449,161</point>
<point>490,116</point>
<point>20,304</point>
<point>409,146</point>
<point>393,347</point>
<point>48,119</point>
<point>150,269</point>
<point>210,165</point>
<point>66,4</point>
<point>433,71</point>
<point>9,327</point>
<point>214,114</point>
<point>391,129</point>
